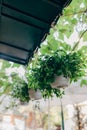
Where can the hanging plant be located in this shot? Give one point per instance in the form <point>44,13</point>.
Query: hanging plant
<point>69,63</point>
<point>20,91</point>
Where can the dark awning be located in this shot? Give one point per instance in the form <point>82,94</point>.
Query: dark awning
<point>24,24</point>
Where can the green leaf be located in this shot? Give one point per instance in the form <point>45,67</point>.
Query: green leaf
<point>83,50</point>
<point>53,44</point>
<point>83,82</point>
<point>85,1</point>
<point>63,30</point>
<point>66,47</point>
<point>74,21</point>
<point>85,37</point>
<point>44,49</point>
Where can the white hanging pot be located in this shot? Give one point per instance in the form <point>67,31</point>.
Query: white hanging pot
<point>60,82</point>
<point>35,95</point>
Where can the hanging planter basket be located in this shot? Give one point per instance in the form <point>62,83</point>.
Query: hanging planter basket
<point>60,82</point>
<point>35,95</point>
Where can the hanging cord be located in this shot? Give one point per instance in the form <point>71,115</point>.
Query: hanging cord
<point>48,114</point>
<point>77,43</point>
<point>36,107</point>
<point>34,115</point>
<point>62,115</point>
